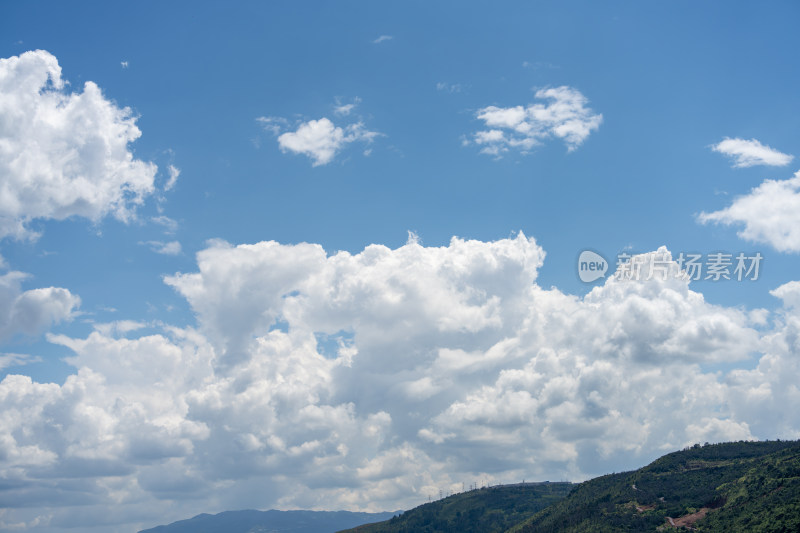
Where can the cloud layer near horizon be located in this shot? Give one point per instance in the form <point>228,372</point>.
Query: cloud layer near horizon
<point>372,380</point>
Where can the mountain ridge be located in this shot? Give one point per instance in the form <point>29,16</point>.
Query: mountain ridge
<point>271,521</point>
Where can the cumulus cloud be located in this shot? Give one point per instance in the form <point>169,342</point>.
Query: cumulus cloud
<point>770,214</point>
<point>63,153</point>
<point>33,311</point>
<point>320,140</point>
<point>565,116</point>
<point>371,380</point>
<point>746,153</point>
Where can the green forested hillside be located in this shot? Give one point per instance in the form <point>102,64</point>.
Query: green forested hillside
<point>486,510</point>
<point>743,486</point>
<point>732,487</point>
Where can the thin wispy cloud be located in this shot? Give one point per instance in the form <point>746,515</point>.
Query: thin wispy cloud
<point>748,153</point>
<point>345,109</point>
<point>170,225</point>
<point>8,360</point>
<point>274,125</point>
<point>164,248</point>
<point>174,172</point>
<point>449,87</point>
<point>383,38</point>
<point>536,65</point>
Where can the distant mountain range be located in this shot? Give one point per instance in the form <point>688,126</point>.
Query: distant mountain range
<point>731,487</point>
<point>271,522</point>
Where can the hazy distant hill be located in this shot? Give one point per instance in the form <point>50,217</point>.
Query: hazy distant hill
<point>270,522</point>
<point>486,510</point>
<point>732,487</point>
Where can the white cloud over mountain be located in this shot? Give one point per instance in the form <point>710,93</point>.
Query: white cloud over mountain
<point>374,379</point>
<point>63,153</point>
<point>565,116</point>
<point>748,153</point>
<point>770,214</point>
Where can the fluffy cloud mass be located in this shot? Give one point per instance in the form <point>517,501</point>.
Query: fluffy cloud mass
<point>566,116</point>
<point>31,312</point>
<point>770,214</point>
<point>372,380</point>
<point>63,153</point>
<point>746,153</point>
<point>320,140</point>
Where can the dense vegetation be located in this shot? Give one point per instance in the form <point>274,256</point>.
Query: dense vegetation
<point>486,510</point>
<point>743,486</point>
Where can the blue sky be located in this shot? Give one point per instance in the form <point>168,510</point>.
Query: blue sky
<point>350,125</point>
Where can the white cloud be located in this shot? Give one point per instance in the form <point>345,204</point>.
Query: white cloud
<point>33,311</point>
<point>451,364</point>
<point>164,248</point>
<point>170,225</point>
<point>123,64</point>
<point>449,87</point>
<point>750,153</point>
<point>789,293</point>
<point>17,359</point>
<point>770,214</point>
<point>174,172</point>
<point>345,109</point>
<point>62,153</point>
<point>321,140</point>
<point>119,327</point>
<point>274,125</point>
<point>566,116</point>
<point>383,38</point>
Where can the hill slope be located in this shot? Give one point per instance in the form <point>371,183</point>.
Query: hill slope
<point>486,510</point>
<point>269,522</point>
<point>744,486</point>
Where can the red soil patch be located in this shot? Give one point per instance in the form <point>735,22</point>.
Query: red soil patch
<point>688,520</point>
